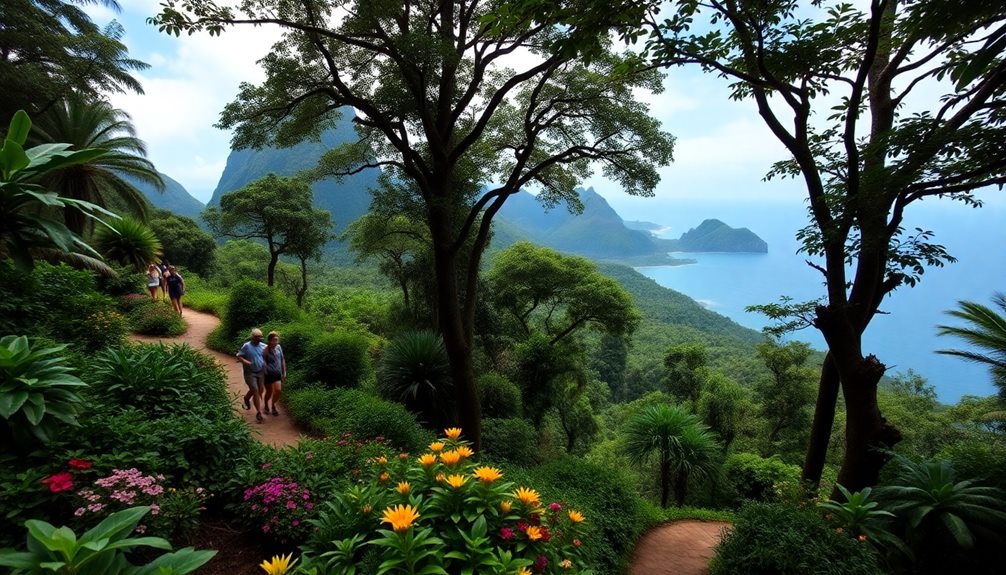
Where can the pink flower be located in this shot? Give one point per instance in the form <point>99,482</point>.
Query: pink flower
<point>554,507</point>
<point>141,529</point>
<point>155,509</point>
<point>540,563</point>
<point>80,464</point>
<point>506,533</point>
<point>308,455</point>
<point>266,465</point>
<point>80,511</point>
<point>59,482</point>
<point>295,522</point>
<point>522,526</point>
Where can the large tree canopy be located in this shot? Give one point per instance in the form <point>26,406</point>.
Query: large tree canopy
<point>449,105</point>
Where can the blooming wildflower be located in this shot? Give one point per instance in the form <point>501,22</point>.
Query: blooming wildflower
<point>141,529</point>
<point>382,461</point>
<point>522,526</point>
<point>266,465</point>
<point>295,522</point>
<point>403,456</point>
<point>861,538</point>
<point>59,482</point>
<point>523,571</point>
<point>404,487</point>
<point>279,564</point>
<point>453,432</point>
<point>540,563</point>
<point>533,533</point>
<point>309,456</point>
<point>155,509</point>
<point>450,457</point>
<point>400,517</point>
<point>80,511</point>
<point>840,530</point>
<point>545,535</point>
<point>487,474</point>
<point>575,516</point>
<point>437,446</point>
<point>506,533</point>
<point>566,564</point>
<point>384,477</point>
<point>464,451</point>
<point>456,481</point>
<point>428,459</point>
<point>291,505</point>
<point>506,505</point>
<point>80,464</point>
<point>554,507</point>
<point>577,543</point>
<point>527,496</point>
<point>367,508</point>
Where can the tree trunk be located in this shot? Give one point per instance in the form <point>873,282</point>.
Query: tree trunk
<point>273,260</point>
<point>680,487</point>
<point>665,480</point>
<point>824,420</point>
<point>303,283</point>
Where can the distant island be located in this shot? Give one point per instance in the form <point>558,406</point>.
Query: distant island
<point>715,236</point>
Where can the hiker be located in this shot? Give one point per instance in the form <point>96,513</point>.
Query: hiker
<point>250,355</point>
<point>275,371</point>
<point>176,288</point>
<point>153,280</point>
<point>163,268</point>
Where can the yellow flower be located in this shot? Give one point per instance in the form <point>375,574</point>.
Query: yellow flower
<point>524,571</point>
<point>450,457</point>
<point>278,565</point>
<point>404,487</point>
<point>441,477</point>
<point>575,516</point>
<point>427,459</point>
<point>464,451</point>
<point>453,432</point>
<point>456,481</point>
<point>566,564</point>
<point>382,460</point>
<point>533,533</point>
<point>437,446</point>
<point>384,477</point>
<point>400,517</point>
<point>487,474</point>
<point>506,506</point>
<point>527,496</point>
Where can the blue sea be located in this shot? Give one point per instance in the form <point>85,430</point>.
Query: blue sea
<point>905,336</point>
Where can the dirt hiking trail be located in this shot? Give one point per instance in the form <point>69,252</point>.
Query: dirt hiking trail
<point>677,548</point>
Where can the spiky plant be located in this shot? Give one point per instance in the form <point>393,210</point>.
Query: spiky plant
<point>129,242</point>
<point>96,124</point>
<point>986,331</point>
<point>415,370</point>
<point>698,456</point>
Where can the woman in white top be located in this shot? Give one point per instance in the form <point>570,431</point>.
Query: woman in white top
<point>153,280</point>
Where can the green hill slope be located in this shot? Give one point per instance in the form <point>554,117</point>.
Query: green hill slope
<point>174,198</point>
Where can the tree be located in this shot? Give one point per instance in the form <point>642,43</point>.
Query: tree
<point>878,110</point>
<point>682,445</point>
<point>986,330</point>
<point>129,242</point>
<point>183,241</point>
<point>721,406</point>
<point>441,105</point>
<point>27,227</point>
<point>686,370</point>
<point>306,243</point>
<point>50,49</point>
<point>278,211</point>
<point>96,124</point>
<point>546,292</point>
<point>399,243</point>
<point>785,396</point>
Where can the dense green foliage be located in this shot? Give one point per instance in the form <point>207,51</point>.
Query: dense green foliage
<point>510,440</point>
<point>337,359</point>
<point>757,478</point>
<point>128,242</point>
<point>253,304</point>
<point>498,396</point>
<point>183,242</point>
<point>415,371</point>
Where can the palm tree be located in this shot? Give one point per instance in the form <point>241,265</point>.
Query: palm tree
<point>415,371</point>
<point>683,446</point>
<point>129,242</point>
<point>987,331</point>
<point>97,125</point>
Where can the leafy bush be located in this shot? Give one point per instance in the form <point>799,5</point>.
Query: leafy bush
<point>156,317</point>
<point>449,516</point>
<point>254,304</point>
<point>498,396</point>
<point>201,297</point>
<point>337,359</point>
<point>22,496</point>
<point>759,478</point>
<point>775,539</point>
<point>94,331</point>
<point>980,457</point>
<point>416,372</point>
<point>98,551</point>
<point>333,412</point>
<point>509,440</point>
<point>296,338</point>
<point>125,281</point>
<point>38,392</point>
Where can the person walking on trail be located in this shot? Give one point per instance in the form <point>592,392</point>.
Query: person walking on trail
<point>176,288</point>
<point>153,280</point>
<point>250,355</point>
<point>275,371</point>
<point>163,268</point>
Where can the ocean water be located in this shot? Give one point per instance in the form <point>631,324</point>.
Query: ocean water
<point>905,337</point>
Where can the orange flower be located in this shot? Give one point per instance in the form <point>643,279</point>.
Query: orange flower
<point>403,456</point>
<point>487,474</point>
<point>427,459</point>
<point>533,533</point>
<point>861,538</point>
<point>575,516</point>
<point>527,496</point>
<point>384,477</point>
<point>400,517</point>
<point>450,457</point>
<point>456,481</point>
<point>524,571</point>
<point>437,446</point>
<point>367,508</point>
<point>566,564</point>
<point>382,460</point>
<point>441,477</point>
<point>453,432</point>
<point>506,505</point>
<point>464,451</point>
<point>404,487</point>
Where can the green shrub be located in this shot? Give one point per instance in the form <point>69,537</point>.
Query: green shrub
<point>125,281</point>
<point>201,297</point>
<point>254,304</point>
<point>498,396</point>
<point>759,478</point>
<point>509,440</point>
<point>775,539</point>
<point>296,338</point>
<point>337,359</point>
<point>333,412</point>
<point>156,317</point>
<point>982,457</point>
<point>416,372</point>
<point>22,497</point>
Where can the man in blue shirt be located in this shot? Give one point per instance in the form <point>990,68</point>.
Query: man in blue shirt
<point>250,355</point>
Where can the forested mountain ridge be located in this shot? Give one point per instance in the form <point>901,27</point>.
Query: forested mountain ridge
<point>715,236</point>
<point>174,198</point>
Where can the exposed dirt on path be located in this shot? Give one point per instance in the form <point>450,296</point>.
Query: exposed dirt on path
<point>277,431</point>
<point>678,548</point>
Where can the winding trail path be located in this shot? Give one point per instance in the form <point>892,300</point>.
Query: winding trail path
<point>276,431</point>
<point>677,548</point>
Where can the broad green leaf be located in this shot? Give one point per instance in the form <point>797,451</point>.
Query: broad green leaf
<point>116,525</point>
<point>12,159</point>
<point>16,559</point>
<point>19,127</point>
<point>11,402</point>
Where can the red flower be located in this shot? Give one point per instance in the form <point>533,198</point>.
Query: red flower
<point>59,482</point>
<point>80,464</point>
<point>576,543</point>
